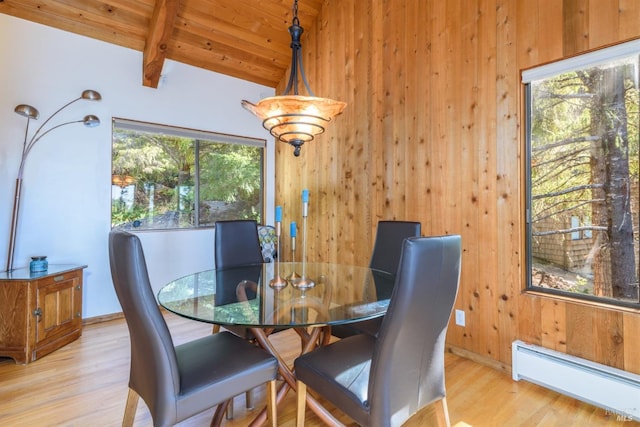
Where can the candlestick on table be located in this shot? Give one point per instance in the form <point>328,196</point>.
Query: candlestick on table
<point>293,277</point>
<point>304,281</point>
<point>278,282</point>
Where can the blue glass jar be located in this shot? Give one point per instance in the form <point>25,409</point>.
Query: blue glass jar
<point>38,264</point>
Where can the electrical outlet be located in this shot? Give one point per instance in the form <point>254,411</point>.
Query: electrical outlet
<point>460,321</point>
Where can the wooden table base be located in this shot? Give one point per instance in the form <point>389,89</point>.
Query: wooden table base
<point>318,336</point>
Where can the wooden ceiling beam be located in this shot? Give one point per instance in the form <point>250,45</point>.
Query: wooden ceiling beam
<point>104,22</point>
<point>243,39</point>
<point>155,48</point>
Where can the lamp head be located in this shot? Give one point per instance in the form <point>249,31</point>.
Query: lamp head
<point>91,121</point>
<point>91,95</point>
<point>27,111</point>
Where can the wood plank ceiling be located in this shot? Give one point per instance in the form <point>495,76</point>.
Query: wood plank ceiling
<point>244,39</point>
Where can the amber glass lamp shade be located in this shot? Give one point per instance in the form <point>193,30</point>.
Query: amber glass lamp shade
<point>295,119</point>
<point>122,181</point>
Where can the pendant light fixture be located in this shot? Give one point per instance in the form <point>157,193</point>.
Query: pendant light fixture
<point>295,119</point>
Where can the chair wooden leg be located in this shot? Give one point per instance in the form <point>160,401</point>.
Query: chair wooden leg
<point>218,415</point>
<point>272,404</point>
<point>442,412</point>
<point>326,336</point>
<point>215,329</point>
<point>130,409</point>
<point>302,403</point>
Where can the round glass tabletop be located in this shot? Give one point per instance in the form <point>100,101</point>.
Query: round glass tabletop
<point>242,296</point>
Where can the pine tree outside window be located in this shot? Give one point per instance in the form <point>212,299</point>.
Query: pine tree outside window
<point>582,169</point>
<point>166,177</point>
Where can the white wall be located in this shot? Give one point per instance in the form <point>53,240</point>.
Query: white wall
<point>65,208</point>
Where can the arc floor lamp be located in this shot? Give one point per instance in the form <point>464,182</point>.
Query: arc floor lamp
<point>31,113</point>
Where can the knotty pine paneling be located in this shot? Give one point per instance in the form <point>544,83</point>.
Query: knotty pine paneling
<point>576,26</point>
<point>630,334</point>
<point>608,333</point>
<point>606,30</point>
<point>433,132</point>
<point>553,324</point>
<point>628,11</point>
<point>508,194</point>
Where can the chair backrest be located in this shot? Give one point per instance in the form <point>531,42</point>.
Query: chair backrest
<point>388,245</point>
<point>407,368</point>
<point>237,243</point>
<point>154,371</point>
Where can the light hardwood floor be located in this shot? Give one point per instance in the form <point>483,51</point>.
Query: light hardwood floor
<point>85,384</point>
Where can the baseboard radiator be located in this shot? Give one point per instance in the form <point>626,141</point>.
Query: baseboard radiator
<point>609,388</point>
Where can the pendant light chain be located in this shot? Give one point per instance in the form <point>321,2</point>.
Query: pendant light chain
<point>295,21</point>
<point>295,30</point>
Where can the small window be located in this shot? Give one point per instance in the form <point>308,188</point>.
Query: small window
<point>160,174</point>
<point>582,170</point>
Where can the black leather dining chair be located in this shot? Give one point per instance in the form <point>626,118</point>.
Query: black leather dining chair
<point>383,381</point>
<point>385,257</point>
<point>236,243</point>
<point>177,382</point>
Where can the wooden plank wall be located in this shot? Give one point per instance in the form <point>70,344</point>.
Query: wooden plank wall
<point>433,132</point>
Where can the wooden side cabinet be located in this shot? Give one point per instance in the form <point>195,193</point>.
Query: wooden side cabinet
<point>39,312</point>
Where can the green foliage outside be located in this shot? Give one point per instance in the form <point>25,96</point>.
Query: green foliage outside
<point>584,164</point>
<point>163,171</point>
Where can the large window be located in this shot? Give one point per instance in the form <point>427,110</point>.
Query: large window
<point>165,177</point>
<point>583,161</point>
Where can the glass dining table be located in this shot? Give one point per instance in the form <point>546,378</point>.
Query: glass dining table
<point>306,297</point>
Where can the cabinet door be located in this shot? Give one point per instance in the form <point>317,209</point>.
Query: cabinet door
<point>59,301</point>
